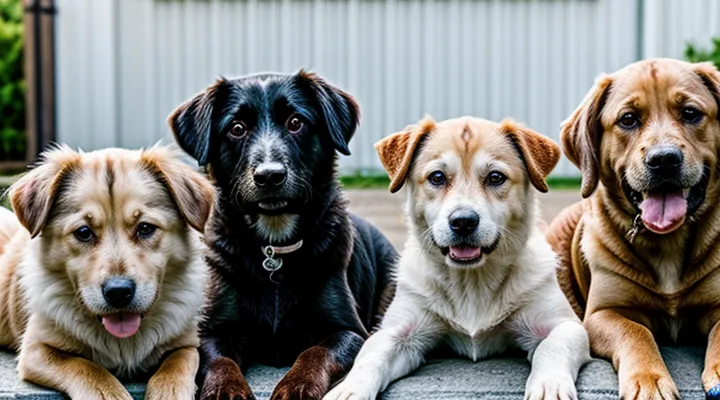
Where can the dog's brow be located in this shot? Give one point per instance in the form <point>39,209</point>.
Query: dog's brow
<point>136,215</point>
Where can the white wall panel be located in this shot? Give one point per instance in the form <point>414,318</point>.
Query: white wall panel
<point>123,65</point>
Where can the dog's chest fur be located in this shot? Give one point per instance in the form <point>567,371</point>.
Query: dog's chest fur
<point>326,285</point>
<point>473,305</point>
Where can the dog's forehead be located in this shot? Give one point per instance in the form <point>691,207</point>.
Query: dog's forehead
<point>662,79</point>
<point>111,181</point>
<point>466,137</point>
<point>263,93</point>
<point>261,83</point>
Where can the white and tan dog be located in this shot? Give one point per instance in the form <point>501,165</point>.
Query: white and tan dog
<point>106,278</point>
<point>476,272</point>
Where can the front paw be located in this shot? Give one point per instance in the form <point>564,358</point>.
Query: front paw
<point>711,381</point>
<point>550,388</point>
<point>301,386</point>
<point>162,387</point>
<point>224,381</point>
<point>649,386</point>
<point>346,390</point>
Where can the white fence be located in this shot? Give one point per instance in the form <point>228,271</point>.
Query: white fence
<point>123,65</point>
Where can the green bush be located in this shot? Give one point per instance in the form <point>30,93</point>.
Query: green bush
<point>695,54</point>
<point>12,83</point>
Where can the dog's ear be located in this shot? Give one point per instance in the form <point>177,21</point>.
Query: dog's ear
<point>193,193</point>
<point>539,153</point>
<point>581,133</point>
<point>192,122</point>
<point>340,111</point>
<point>33,195</point>
<point>397,151</point>
<point>711,79</point>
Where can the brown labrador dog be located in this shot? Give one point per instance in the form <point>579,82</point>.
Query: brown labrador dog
<point>640,256</point>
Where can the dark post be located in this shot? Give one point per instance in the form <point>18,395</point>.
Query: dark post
<point>40,74</point>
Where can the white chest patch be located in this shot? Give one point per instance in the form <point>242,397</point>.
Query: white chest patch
<point>480,345</point>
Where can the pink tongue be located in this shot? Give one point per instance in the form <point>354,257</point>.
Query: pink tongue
<point>122,325</point>
<point>465,252</point>
<point>663,211</point>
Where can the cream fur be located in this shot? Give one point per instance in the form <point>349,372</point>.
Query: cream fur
<point>511,299</point>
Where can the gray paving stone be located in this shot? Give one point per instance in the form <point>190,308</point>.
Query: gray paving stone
<point>498,378</point>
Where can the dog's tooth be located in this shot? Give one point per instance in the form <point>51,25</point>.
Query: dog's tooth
<point>686,192</point>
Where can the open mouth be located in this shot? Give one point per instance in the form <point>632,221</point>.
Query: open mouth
<point>465,254</point>
<point>272,205</point>
<point>666,207</point>
<point>122,324</point>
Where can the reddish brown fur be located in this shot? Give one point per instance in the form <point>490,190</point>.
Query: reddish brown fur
<point>626,291</point>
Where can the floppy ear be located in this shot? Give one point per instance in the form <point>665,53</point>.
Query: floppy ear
<point>191,123</point>
<point>193,193</point>
<point>339,109</point>
<point>711,79</point>
<point>539,153</point>
<point>397,151</point>
<point>33,195</point>
<point>581,133</point>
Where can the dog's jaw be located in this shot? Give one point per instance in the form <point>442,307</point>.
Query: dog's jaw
<point>275,229</point>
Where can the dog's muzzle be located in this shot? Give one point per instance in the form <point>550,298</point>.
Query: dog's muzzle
<point>119,293</point>
<point>270,175</point>
<point>273,189</point>
<point>667,197</point>
<point>466,248</point>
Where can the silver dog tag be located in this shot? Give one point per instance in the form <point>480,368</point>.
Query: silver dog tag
<point>272,264</point>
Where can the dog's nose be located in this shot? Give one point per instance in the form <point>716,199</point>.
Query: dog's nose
<point>666,159</point>
<point>270,174</point>
<point>464,222</point>
<point>118,291</point>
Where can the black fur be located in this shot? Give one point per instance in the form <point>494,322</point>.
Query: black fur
<point>334,289</point>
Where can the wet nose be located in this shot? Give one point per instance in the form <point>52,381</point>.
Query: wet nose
<point>270,174</point>
<point>664,160</point>
<point>464,222</point>
<point>118,291</point>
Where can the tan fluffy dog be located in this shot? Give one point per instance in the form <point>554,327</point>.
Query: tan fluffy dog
<point>107,277</point>
<point>641,255</point>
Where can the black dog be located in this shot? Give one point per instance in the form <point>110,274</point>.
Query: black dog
<point>295,278</point>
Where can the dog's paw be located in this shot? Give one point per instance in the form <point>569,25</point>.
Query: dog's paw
<point>227,388</point>
<point>161,388</point>
<point>107,393</point>
<point>100,389</point>
<point>649,386</point>
<point>348,391</point>
<point>711,381</point>
<point>224,381</point>
<point>551,389</point>
<point>713,393</point>
<point>299,386</point>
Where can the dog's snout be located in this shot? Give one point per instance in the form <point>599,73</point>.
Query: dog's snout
<point>464,222</point>
<point>270,174</point>
<point>665,159</point>
<point>118,291</point>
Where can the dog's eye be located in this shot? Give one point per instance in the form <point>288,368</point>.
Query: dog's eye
<point>145,230</point>
<point>691,115</point>
<point>437,178</point>
<point>496,178</point>
<point>629,120</point>
<point>84,234</point>
<point>295,124</point>
<point>238,129</point>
